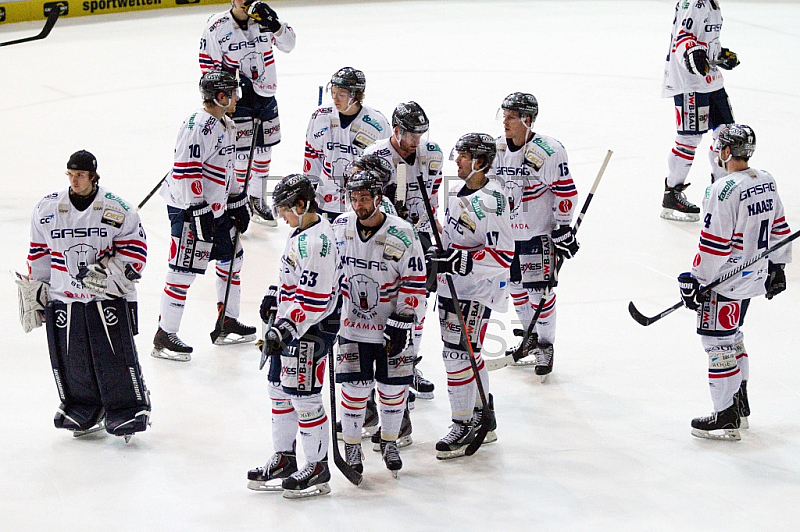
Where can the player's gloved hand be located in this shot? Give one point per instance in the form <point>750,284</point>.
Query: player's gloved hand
<point>696,59</point>
<point>727,60</point>
<point>264,15</point>
<point>33,297</point>
<point>690,291</point>
<point>109,278</point>
<point>390,192</point>
<point>398,333</point>
<point>269,305</point>
<point>280,335</point>
<point>564,240</point>
<point>238,209</point>
<point>449,261</point>
<point>201,221</point>
<point>776,282</point>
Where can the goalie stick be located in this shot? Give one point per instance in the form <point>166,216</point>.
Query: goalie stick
<point>347,470</point>
<point>52,18</point>
<point>644,320</point>
<point>493,364</point>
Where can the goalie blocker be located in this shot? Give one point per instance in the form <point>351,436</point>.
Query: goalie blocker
<point>96,367</point>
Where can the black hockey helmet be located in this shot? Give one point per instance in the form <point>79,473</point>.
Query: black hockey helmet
<point>377,164</point>
<point>291,189</point>
<point>368,180</point>
<point>216,81</point>
<point>410,117</point>
<point>523,103</point>
<point>350,79</point>
<point>477,145</point>
<point>740,138</point>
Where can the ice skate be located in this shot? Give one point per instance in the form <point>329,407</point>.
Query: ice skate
<point>726,421</point>
<point>744,406</point>
<point>524,355</point>
<point>262,214</point>
<point>454,444</point>
<point>310,481</point>
<point>169,347</point>
<point>478,419</point>
<point>411,401</point>
<point>403,439</point>
<point>675,205</point>
<point>544,361</point>
<point>100,426</point>
<point>270,477</point>
<point>422,386</point>
<point>233,331</point>
<point>354,456</point>
<point>371,421</point>
<point>391,457</point>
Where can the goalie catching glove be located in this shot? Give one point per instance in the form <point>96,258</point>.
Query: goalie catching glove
<point>449,261</point>
<point>109,278</point>
<point>264,15</point>
<point>398,333</point>
<point>33,297</point>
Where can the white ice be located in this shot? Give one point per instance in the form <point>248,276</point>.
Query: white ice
<point>604,446</point>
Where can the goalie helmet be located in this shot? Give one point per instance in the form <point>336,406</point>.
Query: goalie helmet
<point>350,79</point>
<point>374,163</point>
<point>523,103</point>
<point>216,81</point>
<point>740,138</point>
<point>368,180</point>
<point>291,189</point>
<point>410,117</point>
<point>477,144</point>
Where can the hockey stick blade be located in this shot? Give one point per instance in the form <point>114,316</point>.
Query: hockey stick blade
<point>644,320</point>
<point>48,26</point>
<point>347,470</point>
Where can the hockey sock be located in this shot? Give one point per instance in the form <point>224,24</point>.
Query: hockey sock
<point>681,158</point>
<point>262,157</point>
<point>546,323</point>
<point>522,304</point>
<point>742,360</point>
<point>313,423</point>
<point>392,400</point>
<point>418,331</point>
<point>461,387</point>
<point>284,419</point>
<point>724,377</point>
<point>234,297</point>
<point>354,408</point>
<point>173,300</point>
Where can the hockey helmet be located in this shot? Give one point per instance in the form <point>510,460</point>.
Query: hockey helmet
<point>523,103</point>
<point>477,145</point>
<point>410,117</point>
<point>377,164</point>
<point>740,138</point>
<point>291,189</point>
<point>350,79</point>
<point>368,180</point>
<point>216,81</point>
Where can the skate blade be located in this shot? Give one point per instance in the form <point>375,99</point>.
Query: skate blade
<point>675,216</point>
<point>312,491</point>
<point>263,221</point>
<point>744,423</point>
<point>263,485</point>
<point>448,455</point>
<point>402,441</point>
<point>423,395</point>
<point>727,434</point>
<point>491,437</point>
<point>544,379</point>
<point>234,339</point>
<point>394,473</point>
<point>170,355</point>
<point>522,363</point>
<point>82,433</point>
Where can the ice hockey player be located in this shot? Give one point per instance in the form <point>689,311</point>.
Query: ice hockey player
<point>298,343</point>
<point>534,172</point>
<point>409,146</point>
<point>693,80</point>
<point>241,41</point>
<point>478,249</point>
<point>205,207</point>
<point>383,290</point>
<point>337,135</point>
<point>88,249</point>
<point>743,216</point>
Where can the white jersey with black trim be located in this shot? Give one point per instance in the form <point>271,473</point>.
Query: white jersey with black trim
<point>308,276</point>
<point>331,149</point>
<point>743,216</point>
<point>480,223</point>
<point>64,239</point>
<point>697,22</point>
<point>203,163</point>
<point>538,185</point>
<point>224,45</point>
<point>427,162</point>
<point>380,276</point>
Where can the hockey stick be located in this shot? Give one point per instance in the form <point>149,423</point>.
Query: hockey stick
<point>644,320</point>
<point>215,334</point>
<point>52,18</point>
<point>501,362</point>
<point>150,195</point>
<point>402,182</point>
<point>487,411</point>
<point>347,470</point>
<point>320,96</point>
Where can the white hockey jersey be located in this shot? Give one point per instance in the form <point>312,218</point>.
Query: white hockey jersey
<point>308,276</point>
<point>696,22</point>
<point>203,164</point>
<point>380,276</point>
<point>537,184</point>
<point>427,163</point>
<point>225,46</point>
<point>743,217</point>
<point>480,223</point>
<point>64,239</point>
<point>331,150</point>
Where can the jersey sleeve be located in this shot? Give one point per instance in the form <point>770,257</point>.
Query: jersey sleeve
<point>314,158</point>
<point>316,285</point>
<point>435,163</point>
<point>210,55</point>
<point>498,250</point>
<point>411,295</point>
<point>565,194</point>
<point>130,244</point>
<point>285,39</point>
<point>716,238</point>
<point>39,252</point>
<point>779,231</point>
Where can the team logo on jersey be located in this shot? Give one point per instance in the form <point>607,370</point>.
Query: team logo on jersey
<point>728,315</point>
<point>371,121</point>
<point>252,65</point>
<point>78,257</point>
<point>61,318</point>
<point>215,206</point>
<point>47,219</point>
<point>565,206</point>
<point>197,187</point>
<point>412,302</point>
<point>110,316</point>
<point>697,260</point>
<point>364,292</point>
<point>297,315</point>
<point>112,218</point>
<point>513,194</point>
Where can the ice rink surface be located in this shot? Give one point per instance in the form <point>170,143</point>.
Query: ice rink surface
<point>605,445</point>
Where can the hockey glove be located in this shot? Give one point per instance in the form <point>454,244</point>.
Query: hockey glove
<point>690,291</point>
<point>776,282</point>
<point>280,335</point>
<point>269,305</point>
<point>33,297</point>
<point>238,209</point>
<point>564,240</point>
<point>264,15</point>
<point>449,261</point>
<point>201,221</point>
<point>398,334</point>
<point>696,59</point>
<point>109,278</point>
<point>727,60</point>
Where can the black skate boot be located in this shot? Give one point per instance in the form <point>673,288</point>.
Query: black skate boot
<point>455,443</point>
<point>422,386</point>
<point>262,214</point>
<point>81,420</point>
<point>391,457</point>
<point>676,206</point>
<point>371,421</point>
<point>411,401</point>
<point>270,476</point>
<point>520,352</point>
<point>170,347</point>
<point>544,360</point>
<point>310,481</point>
<point>231,326</point>
<point>354,456</point>
<point>727,421</point>
<point>490,421</point>
<point>403,439</point>
<point>744,406</point>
